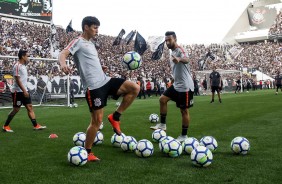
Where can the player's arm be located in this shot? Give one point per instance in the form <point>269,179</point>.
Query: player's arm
<point>20,84</point>
<point>176,60</point>
<point>62,59</point>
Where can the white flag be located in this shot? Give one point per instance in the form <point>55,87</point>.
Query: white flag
<point>154,42</point>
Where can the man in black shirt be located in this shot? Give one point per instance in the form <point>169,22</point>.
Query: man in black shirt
<point>238,85</point>
<point>278,82</point>
<point>215,84</point>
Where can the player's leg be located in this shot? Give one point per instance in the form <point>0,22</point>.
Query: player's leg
<point>218,94</point>
<point>96,119</point>
<point>28,105</point>
<point>169,94</point>
<point>17,103</point>
<point>129,90</point>
<point>185,100</point>
<point>11,115</point>
<point>213,91</point>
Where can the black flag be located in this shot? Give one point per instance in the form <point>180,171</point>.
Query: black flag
<point>129,37</point>
<point>159,52</point>
<point>69,27</point>
<point>119,37</point>
<point>140,44</point>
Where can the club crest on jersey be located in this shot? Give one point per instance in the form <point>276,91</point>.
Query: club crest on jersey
<point>97,102</point>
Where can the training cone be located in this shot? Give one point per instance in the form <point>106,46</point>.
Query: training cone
<point>53,136</point>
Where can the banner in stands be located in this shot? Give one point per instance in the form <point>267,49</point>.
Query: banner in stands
<point>57,85</point>
<point>262,17</point>
<point>35,9</point>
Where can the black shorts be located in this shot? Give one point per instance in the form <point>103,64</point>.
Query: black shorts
<point>97,98</point>
<point>215,88</point>
<point>19,99</point>
<point>183,99</point>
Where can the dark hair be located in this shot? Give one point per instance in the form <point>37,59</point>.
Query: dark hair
<point>89,20</point>
<point>21,53</point>
<point>168,33</point>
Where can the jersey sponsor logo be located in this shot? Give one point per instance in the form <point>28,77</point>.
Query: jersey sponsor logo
<point>191,102</point>
<point>97,102</point>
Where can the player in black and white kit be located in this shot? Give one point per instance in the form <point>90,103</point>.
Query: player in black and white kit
<point>215,83</point>
<point>278,79</point>
<point>20,93</point>
<point>238,85</point>
<point>181,91</point>
<point>97,85</point>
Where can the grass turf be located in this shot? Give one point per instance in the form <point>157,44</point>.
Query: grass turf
<point>28,156</point>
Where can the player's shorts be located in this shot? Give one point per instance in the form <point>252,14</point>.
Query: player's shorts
<point>278,86</point>
<point>215,89</point>
<point>97,98</point>
<point>19,99</point>
<point>183,99</point>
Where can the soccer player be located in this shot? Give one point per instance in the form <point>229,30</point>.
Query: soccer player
<point>97,85</point>
<point>278,82</point>
<point>20,93</point>
<point>215,83</point>
<point>181,91</point>
<point>238,85</point>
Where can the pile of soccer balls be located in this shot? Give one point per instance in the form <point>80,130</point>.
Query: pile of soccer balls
<point>78,154</point>
<point>201,152</point>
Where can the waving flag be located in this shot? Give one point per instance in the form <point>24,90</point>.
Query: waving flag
<point>119,37</point>
<point>140,44</point>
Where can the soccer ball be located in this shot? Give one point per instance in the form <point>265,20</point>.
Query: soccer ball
<point>131,60</point>
<point>158,134</point>
<point>173,148</point>
<point>75,105</point>
<point>79,139</point>
<point>144,148</point>
<point>209,142</point>
<point>154,118</point>
<point>189,144</point>
<point>201,156</point>
<point>163,141</point>
<point>99,138</point>
<point>77,156</point>
<point>101,126</point>
<point>240,145</point>
<point>128,144</point>
<point>117,104</point>
<point>116,140</point>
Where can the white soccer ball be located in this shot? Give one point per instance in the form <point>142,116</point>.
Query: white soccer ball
<point>158,134</point>
<point>163,141</point>
<point>144,148</point>
<point>173,148</point>
<point>101,126</point>
<point>75,105</point>
<point>79,139</point>
<point>190,144</point>
<point>77,156</point>
<point>209,142</point>
<point>240,145</point>
<point>154,118</point>
<point>131,60</point>
<point>129,143</point>
<point>116,140</point>
<point>201,156</point>
<point>99,138</point>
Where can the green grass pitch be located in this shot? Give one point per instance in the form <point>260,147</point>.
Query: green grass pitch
<point>28,156</point>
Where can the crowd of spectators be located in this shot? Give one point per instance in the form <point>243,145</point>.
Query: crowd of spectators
<point>14,34</point>
<point>276,28</point>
